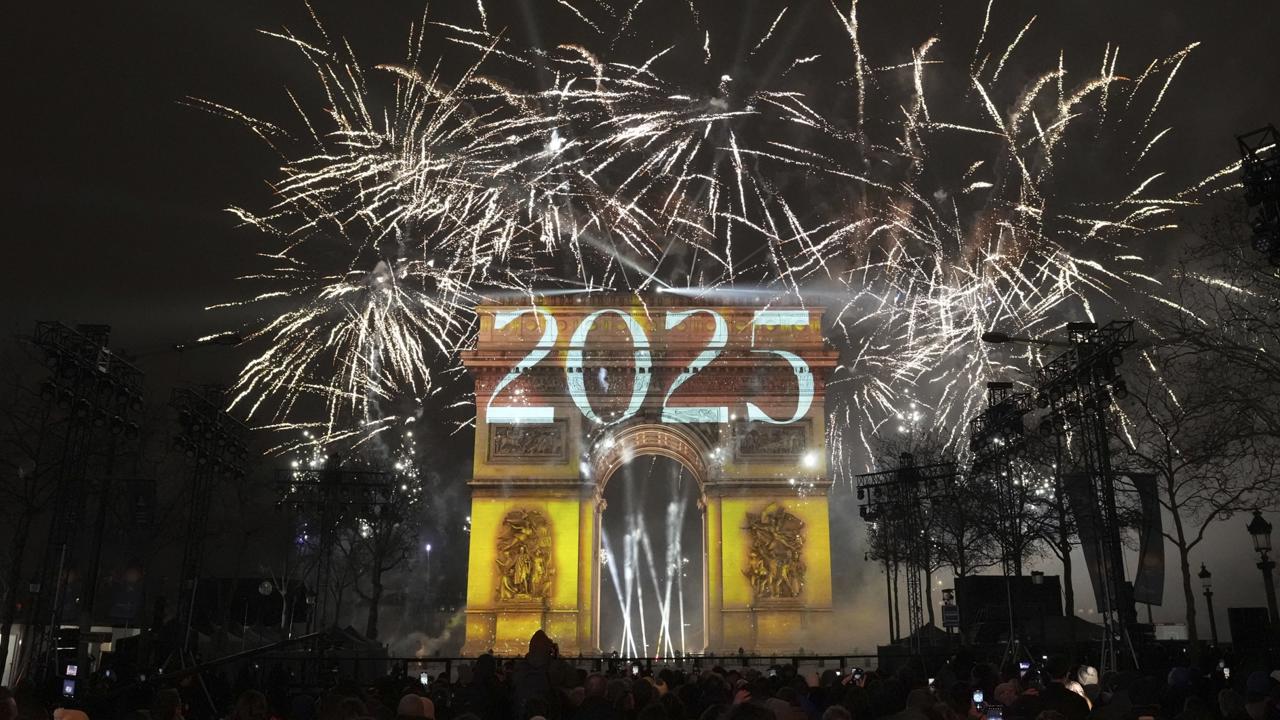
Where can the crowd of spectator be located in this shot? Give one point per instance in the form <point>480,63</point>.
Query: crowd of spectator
<point>543,686</point>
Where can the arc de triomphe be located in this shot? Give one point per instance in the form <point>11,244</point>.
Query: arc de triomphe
<point>568,391</point>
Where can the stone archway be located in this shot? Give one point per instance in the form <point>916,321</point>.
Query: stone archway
<point>675,441</point>
<point>541,464</point>
<point>631,442</point>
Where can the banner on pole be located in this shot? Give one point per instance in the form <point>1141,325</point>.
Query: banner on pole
<point>1088,528</point>
<point>1148,584</point>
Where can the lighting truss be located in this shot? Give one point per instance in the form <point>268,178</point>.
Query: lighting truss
<point>94,397</point>
<point>895,501</point>
<point>1260,175</point>
<point>216,444</point>
<point>1078,388</point>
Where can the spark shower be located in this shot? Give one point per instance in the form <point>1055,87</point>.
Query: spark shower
<point>924,198</point>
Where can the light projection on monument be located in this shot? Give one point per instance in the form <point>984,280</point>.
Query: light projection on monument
<point>719,337</point>
<point>498,413</point>
<point>574,367</point>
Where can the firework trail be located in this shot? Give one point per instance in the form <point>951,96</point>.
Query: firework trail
<point>993,212</point>
<point>934,213</point>
<point>393,222</point>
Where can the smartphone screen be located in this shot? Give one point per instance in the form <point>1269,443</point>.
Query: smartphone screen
<point>995,712</point>
<point>424,679</point>
<point>977,697</point>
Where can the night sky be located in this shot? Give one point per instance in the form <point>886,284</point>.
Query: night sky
<point>117,189</point>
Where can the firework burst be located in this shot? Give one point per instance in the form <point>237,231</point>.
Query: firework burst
<point>929,212</point>
<point>1020,206</point>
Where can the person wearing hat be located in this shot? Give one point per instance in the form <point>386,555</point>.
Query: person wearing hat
<point>531,681</point>
<point>1087,676</point>
<point>415,706</point>
<point>1257,695</point>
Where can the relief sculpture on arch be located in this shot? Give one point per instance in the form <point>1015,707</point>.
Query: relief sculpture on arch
<point>524,556</point>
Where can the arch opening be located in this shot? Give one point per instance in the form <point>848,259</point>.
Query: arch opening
<point>616,446</point>
<point>652,579</point>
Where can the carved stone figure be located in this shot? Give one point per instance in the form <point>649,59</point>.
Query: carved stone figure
<point>524,556</point>
<point>773,442</point>
<point>775,568</point>
<point>517,441</point>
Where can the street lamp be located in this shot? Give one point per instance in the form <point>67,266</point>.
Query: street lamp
<point>1207,583</point>
<point>1260,529</point>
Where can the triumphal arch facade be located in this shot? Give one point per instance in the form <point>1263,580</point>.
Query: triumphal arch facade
<point>568,390</point>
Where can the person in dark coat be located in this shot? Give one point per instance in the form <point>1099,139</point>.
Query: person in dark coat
<point>1055,696</point>
<point>531,681</point>
<point>483,693</point>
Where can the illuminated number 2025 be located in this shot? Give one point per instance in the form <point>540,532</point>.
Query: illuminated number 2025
<point>804,379</point>
<point>719,336</point>
<point>573,366</point>
<point>506,414</point>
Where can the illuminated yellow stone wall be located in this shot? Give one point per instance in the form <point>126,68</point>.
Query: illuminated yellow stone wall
<point>775,625</point>
<point>737,544</point>
<point>505,626</point>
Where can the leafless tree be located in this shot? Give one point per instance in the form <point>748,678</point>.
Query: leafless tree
<point>382,541</point>
<point>1231,301</point>
<point>1211,453</point>
<point>347,570</point>
<point>1050,525</point>
<point>961,520</point>
<point>28,476</point>
<point>238,520</point>
<point>288,574</point>
<point>954,523</point>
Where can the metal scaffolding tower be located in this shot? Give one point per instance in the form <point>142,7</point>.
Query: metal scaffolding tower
<point>894,503</point>
<point>1077,388</point>
<point>216,445</point>
<point>92,396</point>
<point>1260,175</point>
